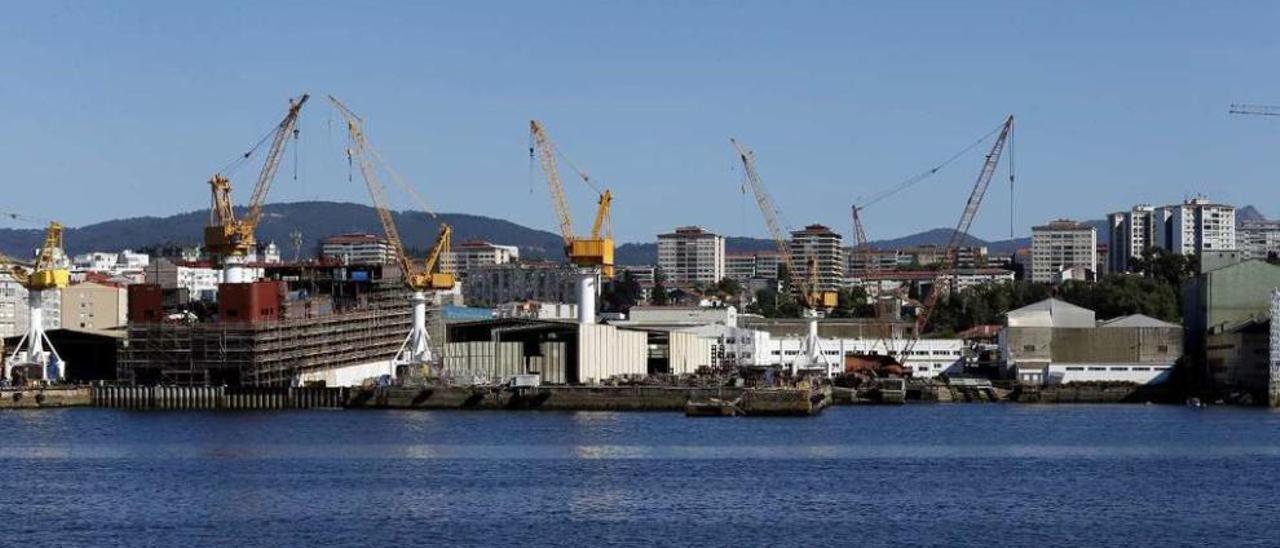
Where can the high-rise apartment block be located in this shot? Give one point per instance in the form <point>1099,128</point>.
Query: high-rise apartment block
<point>822,247</point>
<point>1258,239</point>
<point>1192,227</point>
<point>1195,226</point>
<point>691,255</point>
<point>1063,249</point>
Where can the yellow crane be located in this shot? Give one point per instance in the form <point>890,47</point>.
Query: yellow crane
<point>226,238</point>
<point>807,289</point>
<point>430,275</point>
<point>49,272</point>
<point>595,250</point>
<point>811,296</point>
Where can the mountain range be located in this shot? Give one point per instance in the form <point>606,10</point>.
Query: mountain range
<point>318,220</point>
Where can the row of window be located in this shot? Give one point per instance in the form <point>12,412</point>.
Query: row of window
<point>1098,368</point>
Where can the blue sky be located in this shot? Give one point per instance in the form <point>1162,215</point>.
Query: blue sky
<point>125,109</point>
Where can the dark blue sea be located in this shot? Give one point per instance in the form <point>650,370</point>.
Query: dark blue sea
<point>919,475</point>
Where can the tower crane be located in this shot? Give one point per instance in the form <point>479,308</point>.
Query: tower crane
<point>807,291</point>
<point>1255,110</point>
<point>48,272</point>
<point>948,257</point>
<point>593,253</point>
<point>228,239</point>
<point>427,276</point>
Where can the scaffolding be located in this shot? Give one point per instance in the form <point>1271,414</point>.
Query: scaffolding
<point>270,353</point>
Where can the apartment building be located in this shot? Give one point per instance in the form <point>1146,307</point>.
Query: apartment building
<point>471,255</point>
<point>1258,239</point>
<point>745,266</point>
<point>94,305</point>
<point>14,306</point>
<point>1132,232</point>
<point>1195,226</point>
<point>357,248</point>
<point>690,256</point>
<point>821,246</point>
<point>1063,246</point>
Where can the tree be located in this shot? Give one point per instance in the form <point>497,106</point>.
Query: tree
<point>659,296</point>
<point>852,302</point>
<point>621,294</point>
<point>1166,266</point>
<point>729,287</point>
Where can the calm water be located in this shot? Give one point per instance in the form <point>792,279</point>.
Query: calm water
<point>940,475</point>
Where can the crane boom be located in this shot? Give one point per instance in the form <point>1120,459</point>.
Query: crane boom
<point>547,157</point>
<point>861,245</point>
<point>962,227</point>
<point>1255,110</point>
<point>416,277</point>
<point>770,212</point>
<point>226,235</point>
<point>284,129</point>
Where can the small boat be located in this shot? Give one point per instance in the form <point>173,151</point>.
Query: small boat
<point>712,407</point>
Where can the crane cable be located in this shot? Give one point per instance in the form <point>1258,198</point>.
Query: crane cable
<point>890,191</point>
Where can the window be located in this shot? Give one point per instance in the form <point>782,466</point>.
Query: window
<point>1075,369</point>
<point>1097,369</point>
<point>1141,369</point>
<point>1119,368</point>
<point>1028,348</point>
<point>1163,348</point>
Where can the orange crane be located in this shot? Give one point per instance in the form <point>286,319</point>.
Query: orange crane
<point>49,272</point>
<point>427,276</point>
<point>961,231</point>
<point>228,239</point>
<point>596,250</point>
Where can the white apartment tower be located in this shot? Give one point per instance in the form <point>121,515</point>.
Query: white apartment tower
<point>691,255</point>
<point>1132,232</point>
<point>1060,246</point>
<point>1195,226</point>
<point>472,255</point>
<point>824,247</point>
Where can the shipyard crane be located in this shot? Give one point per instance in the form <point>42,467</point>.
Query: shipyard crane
<point>428,276</point>
<point>862,245</point>
<point>811,298</point>
<point>595,250</point>
<point>228,239</point>
<point>947,260</point>
<point>1255,110</point>
<point>593,253</point>
<point>48,272</point>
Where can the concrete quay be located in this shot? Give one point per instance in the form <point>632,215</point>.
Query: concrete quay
<point>773,401</point>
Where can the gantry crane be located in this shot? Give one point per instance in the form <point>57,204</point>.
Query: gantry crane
<point>228,239</point>
<point>428,276</point>
<point>811,297</point>
<point>596,250</point>
<point>48,272</point>
<point>961,231</point>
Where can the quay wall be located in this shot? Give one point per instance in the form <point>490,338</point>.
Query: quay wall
<point>35,398</point>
